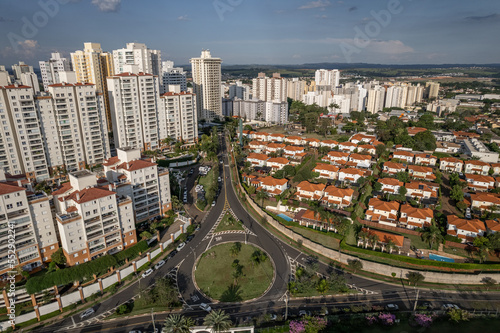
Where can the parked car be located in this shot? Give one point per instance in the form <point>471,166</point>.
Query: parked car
<point>392,307</point>
<point>468,213</point>
<point>159,264</point>
<point>450,306</point>
<point>304,313</point>
<point>147,273</point>
<point>205,307</point>
<point>189,238</point>
<point>213,203</point>
<point>180,246</point>
<point>87,313</point>
<point>171,254</point>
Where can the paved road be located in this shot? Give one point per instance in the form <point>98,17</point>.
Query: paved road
<point>284,257</point>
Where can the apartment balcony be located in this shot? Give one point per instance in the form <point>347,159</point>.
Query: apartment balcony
<point>93,228</point>
<point>18,213</point>
<point>68,217</point>
<point>92,220</point>
<point>97,248</point>
<point>95,234</point>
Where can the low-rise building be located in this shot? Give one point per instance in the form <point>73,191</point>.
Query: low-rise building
<point>352,175</point>
<point>496,168</point>
<point>477,167</point>
<point>425,159</point>
<point>412,217</point>
<point>293,150</point>
<point>451,164</point>
<point>257,146</point>
<point>361,137</point>
<point>412,131</point>
<point>270,185</point>
<point>422,173</point>
<point>393,168</point>
<point>485,201</point>
<point>360,161</point>
<point>294,140</point>
<point>422,190</point>
<point>310,191</point>
<point>390,185</point>
<point>370,149</point>
<point>274,147</point>
<point>475,148</point>
<point>382,212</point>
<point>403,155</point>
<point>257,159</point>
<point>312,142</point>
<point>382,240</point>
<point>466,230</point>
<point>327,171</point>
<point>329,143</point>
<point>261,136</point>
<point>348,146</point>
<point>479,182</point>
<point>276,137</point>
<point>277,163</point>
<point>337,197</point>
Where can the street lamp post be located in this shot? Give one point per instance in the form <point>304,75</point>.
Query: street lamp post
<point>416,300</point>
<point>153,319</point>
<point>286,305</point>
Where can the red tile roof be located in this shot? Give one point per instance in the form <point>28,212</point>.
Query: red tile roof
<point>6,188</point>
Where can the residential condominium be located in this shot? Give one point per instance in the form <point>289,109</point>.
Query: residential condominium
<point>137,55</point>
<point>50,69</point>
<point>92,220</point>
<point>73,116</point>
<point>31,217</point>
<point>177,116</point>
<point>269,88</point>
<point>134,100</point>
<point>327,78</point>
<point>295,89</point>
<point>171,75</point>
<point>92,65</point>
<point>276,112</point>
<point>140,179</point>
<point>206,72</point>
<point>22,149</point>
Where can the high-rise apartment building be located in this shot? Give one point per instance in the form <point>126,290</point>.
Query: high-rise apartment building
<point>35,234</point>
<point>206,72</point>
<point>21,142</point>
<point>375,102</point>
<point>50,69</point>
<point>296,88</point>
<point>92,65</point>
<point>432,90</point>
<point>276,112</point>
<point>140,179</point>
<point>21,68</point>
<point>269,89</point>
<point>139,56</point>
<point>325,77</point>
<point>171,75</point>
<point>177,116</point>
<point>92,220</point>
<point>134,105</point>
<point>239,90</point>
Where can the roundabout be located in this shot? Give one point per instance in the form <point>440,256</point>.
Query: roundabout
<point>234,272</point>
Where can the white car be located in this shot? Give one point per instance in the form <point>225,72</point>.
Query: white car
<point>206,307</point>
<point>450,306</point>
<point>213,203</point>
<point>392,307</point>
<point>180,246</point>
<point>87,313</point>
<point>147,273</point>
<point>159,264</point>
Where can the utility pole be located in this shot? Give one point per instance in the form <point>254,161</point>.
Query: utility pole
<point>416,301</point>
<point>153,319</point>
<point>286,305</point>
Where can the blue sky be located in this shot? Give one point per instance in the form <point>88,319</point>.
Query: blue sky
<point>259,31</point>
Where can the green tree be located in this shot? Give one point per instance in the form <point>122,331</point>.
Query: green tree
<point>322,286</point>
<point>262,195</point>
<point>218,320</point>
<point>380,150</point>
<point>176,323</point>
<point>432,235</point>
<point>145,235</point>
<point>355,265</point>
<point>457,193</point>
<point>377,187</point>
<point>403,177</point>
<point>58,257</point>
<point>483,247</point>
<point>235,249</point>
<point>414,277</point>
<point>402,191</point>
<point>458,315</point>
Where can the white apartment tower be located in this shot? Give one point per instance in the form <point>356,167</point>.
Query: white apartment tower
<point>177,116</point>
<point>269,89</point>
<point>137,55</point>
<point>21,68</point>
<point>134,103</point>
<point>325,77</point>
<point>295,89</point>
<point>50,69</point>
<point>21,143</point>
<point>171,75</point>
<point>239,90</point>
<point>35,234</point>
<point>375,101</point>
<point>140,179</point>
<point>206,72</point>
<point>92,220</point>
<point>276,112</point>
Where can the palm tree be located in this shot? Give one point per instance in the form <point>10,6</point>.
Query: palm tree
<point>432,235</point>
<point>373,240</point>
<point>364,236</point>
<point>176,323</point>
<point>218,320</point>
<point>262,195</point>
<point>390,245</point>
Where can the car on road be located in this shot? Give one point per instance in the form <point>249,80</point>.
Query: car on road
<point>219,179</point>
<point>304,313</point>
<point>450,306</point>
<point>213,203</point>
<point>159,264</point>
<point>392,307</point>
<point>87,313</point>
<point>468,213</point>
<point>147,273</point>
<point>205,307</point>
<point>273,316</point>
<point>180,246</point>
<point>189,238</point>
<point>171,254</point>
<point>427,305</point>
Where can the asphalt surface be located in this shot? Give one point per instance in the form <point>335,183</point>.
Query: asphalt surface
<point>285,259</point>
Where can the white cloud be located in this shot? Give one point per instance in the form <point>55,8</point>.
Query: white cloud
<point>296,56</point>
<point>316,4</point>
<point>107,5</point>
<point>26,48</point>
<point>323,17</point>
<point>183,18</point>
<point>389,47</point>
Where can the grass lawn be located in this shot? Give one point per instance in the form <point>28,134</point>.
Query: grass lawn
<point>229,223</point>
<point>207,180</point>
<point>326,239</point>
<point>214,273</point>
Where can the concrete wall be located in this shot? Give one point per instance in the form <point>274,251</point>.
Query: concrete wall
<point>141,262</point>
<point>155,253</point>
<point>91,289</point>
<point>127,271</point>
<point>70,298</point>
<point>109,281</point>
<point>48,308</point>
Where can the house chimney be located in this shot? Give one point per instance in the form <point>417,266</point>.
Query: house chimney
<point>19,183</point>
<point>110,187</point>
<point>77,196</point>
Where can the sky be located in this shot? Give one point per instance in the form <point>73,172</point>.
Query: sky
<point>258,31</point>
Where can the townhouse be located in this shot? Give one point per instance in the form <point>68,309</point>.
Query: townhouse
<point>327,171</point>
<point>421,172</point>
<point>411,217</point>
<point>479,182</point>
<point>390,185</point>
<point>451,164</point>
<point>367,149</point>
<point>348,146</point>
<point>260,136</point>
<point>412,131</point>
<point>403,155</point>
<point>309,191</point>
<point>352,175</point>
<point>492,226</point>
<point>466,230</point>
<point>360,161</point>
<point>393,168</point>
<point>270,185</point>
<point>422,190</point>
<point>425,159</point>
<point>274,147</point>
<point>485,201</point>
<point>383,239</point>
<point>294,140</point>
<point>332,144</point>
<point>477,167</point>
<point>382,212</point>
<point>337,197</point>
<point>277,163</point>
<point>257,146</point>
<point>360,137</point>
<point>496,168</point>
<point>293,151</point>
<point>337,157</point>
<point>312,142</point>
<point>257,160</point>
<point>276,137</point>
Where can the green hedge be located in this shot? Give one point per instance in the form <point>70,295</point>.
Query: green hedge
<point>83,271</point>
<point>420,262</point>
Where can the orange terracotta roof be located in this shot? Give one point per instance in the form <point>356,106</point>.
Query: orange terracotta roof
<point>394,165</point>
<point>477,163</point>
<point>468,225</point>
<point>89,194</point>
<point>390,182</point>
<point>385,237</point>
<point>7,188</point>
<point>326,167</point>
<point>333,191</point>
<point>418,168</point>
<point>479,178</point>
<point>419,213</point>
<point>383,205</point>
<point>136,165</point>
<point>65,187</point>
<point>256,156</point>
<point>355,156</point>
<point>403,153</point>
<point>111,161</point>
<point>310,187</point>
<point>294,148</point>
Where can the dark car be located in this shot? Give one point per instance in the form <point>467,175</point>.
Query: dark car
<point>172,254</point>
<point>189,238</point>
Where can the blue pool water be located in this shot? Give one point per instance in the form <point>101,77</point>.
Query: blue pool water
<point>436,257</point>
<point>286,218</point>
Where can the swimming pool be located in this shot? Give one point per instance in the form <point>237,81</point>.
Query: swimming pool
<point>285,217</point>
<point>436,257</point>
